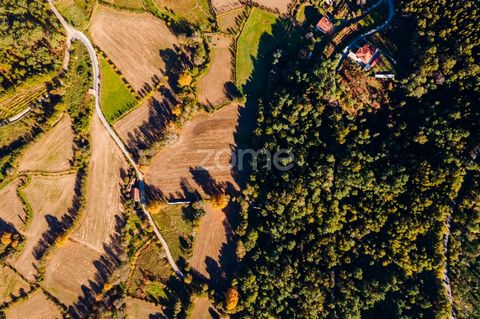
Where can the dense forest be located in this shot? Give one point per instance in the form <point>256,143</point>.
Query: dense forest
<point>356,228</point>
<point>29,41</point>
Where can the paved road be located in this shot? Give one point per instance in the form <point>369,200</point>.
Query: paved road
<point>348,48</point>
<point>74,34</point>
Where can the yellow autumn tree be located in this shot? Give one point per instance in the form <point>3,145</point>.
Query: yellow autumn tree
<point>185,79</point>
<point>220,201</point>
<point>231,299</point>
<point>154,207</point>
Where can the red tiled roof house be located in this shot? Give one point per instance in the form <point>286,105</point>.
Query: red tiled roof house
<point>324,25</point>
<point>366,56</point>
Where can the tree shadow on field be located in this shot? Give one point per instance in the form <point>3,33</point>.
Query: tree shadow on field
<point>176,61</point>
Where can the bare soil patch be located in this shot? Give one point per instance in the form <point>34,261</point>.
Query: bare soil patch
<point>11,208</point>
<point>228,21</point>
<point>281,6</point>
<point>53,152</point>
<point>133,41</point>
<point>11,284</point>
<point>50,199</point>
<point>139,309</point>
<point>213,251</point>
<point>198,164</point>
<point>142,127</point>
<point>221,6</point>
<point>212,86</point>
<point>104,202</point>
<point>37,306</point>
<point>70,268</point>
<point>203,309</point>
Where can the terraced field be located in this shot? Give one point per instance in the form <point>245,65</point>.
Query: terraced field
<point>36,306</point>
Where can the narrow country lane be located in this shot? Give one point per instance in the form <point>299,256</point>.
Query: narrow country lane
<point>74,34</point>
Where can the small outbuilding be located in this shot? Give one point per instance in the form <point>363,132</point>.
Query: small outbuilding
<point>136,194</point>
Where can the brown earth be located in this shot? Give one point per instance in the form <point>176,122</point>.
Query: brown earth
<point>70,268</point>
<point>50,199</point>
<point>53,152</point>
<point>211,87</point>
<point>104,203</point>
<point>134,42</point>
<point>228,21</point>
<point>211,251</point>
<point>199,161</point>
<point>278,5</point>
<point>11,208</point>
<point>36,306</point>
<point>143,126</point>
<point>11,284</point>
<point>203,309</point>
<point>139,309</point>
<point>221,6</point>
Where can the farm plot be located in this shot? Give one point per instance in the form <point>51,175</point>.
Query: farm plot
<point>200,159</point>
<point>139,309</point>
<point>11,208</point>
<point>222,6</point>
<point>203,309</point>
<point>133,41</point>
<point>212,86</point>
<point>11,284</point>
<point>280,6</point>
<point>71,267</point>
<point>104,203</point>
<point>53,152</point>
<point>211,242</point>
<point>50,198</point>
<point>259,24</point>
<point>77,12</point>
<point>129,4</point>
<point>229,21</point>
<point>145,125</point>
<point>18,102</point>
<point>193,11</point>
<point>36,306</point>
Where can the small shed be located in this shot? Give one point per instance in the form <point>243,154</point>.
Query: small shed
<point>136,194</point>
<point>324,25</point>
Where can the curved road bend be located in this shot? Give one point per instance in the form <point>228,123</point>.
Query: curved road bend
<point>73,33</point>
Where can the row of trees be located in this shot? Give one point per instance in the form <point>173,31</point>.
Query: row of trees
<point>355,228</point>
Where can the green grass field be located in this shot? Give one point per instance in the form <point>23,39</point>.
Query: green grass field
<point>129,4</point>
<point>116,98</point>
<point>174,228</point>
<point>258,24</point>
<point>193,11</point>
<point>77,12</point>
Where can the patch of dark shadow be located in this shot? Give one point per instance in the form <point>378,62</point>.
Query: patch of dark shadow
<point>144,139</point>
<point>105,266</point>
<point>176,61</point>
<point>57,227</point>
<point>204,179</point>
<point>213,313</point>
<point>189,192</point>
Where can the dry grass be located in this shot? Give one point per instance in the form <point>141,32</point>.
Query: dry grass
<point>202,308</point>
<point>193,11</point>
<point>53,152</point>
<point>132,4</point>
<point>172,171</point>
<point>222,6</point>
<point>37,306</point>
<point>104,203</point>
<point>70,268</point>
<point>133,41</point>
<point>211,242</point>
<point>228,21</point>
<point>278,5</point>
<point>11,208</point>
<point>139,309</point>
<point>211,87</point>
<point>10,284</point>
<point>50,198</point>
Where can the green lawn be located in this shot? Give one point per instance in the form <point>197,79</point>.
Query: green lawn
<point>116,98</point>
<point>258,24</point>
<point>174,228</point>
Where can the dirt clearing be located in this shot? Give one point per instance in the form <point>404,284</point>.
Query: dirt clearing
<point>50,199</point>
<point>104,204</point>
<point>200,159</point>
<point>281,6</point>
<point>70,268</point>
<point>51,153</point>
<point>221,6</point>
<point>144,126</point>
<point>11,208</point>
<point>228,21</point>
<point>212,86</point>
<point>133,41</point>
<point>203,309</point>
<point>212,251</point>
<point>36,306</point>
<point>11,284</point>
<point>139,309</point>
